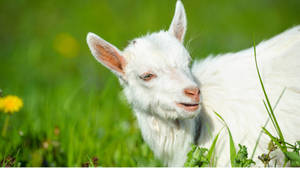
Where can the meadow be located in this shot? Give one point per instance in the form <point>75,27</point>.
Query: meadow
<point>74,112</point>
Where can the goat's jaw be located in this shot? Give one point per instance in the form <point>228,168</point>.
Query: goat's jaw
<point>189,107</point>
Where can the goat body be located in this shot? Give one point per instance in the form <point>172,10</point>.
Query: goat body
<point>164,91</point>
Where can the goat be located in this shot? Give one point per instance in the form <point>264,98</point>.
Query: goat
<point>175,104</point>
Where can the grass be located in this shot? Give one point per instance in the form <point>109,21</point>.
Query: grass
<point>203,157</point>
<point>268,107</point>
<point>292,157</point>
<point>261,132</point>
<point>232,146</point>
<point>56,134</point>
<point>74,111</point>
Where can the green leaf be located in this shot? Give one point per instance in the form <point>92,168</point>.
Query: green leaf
<point>294,158</point>
<point>232,147</point>
<point>241,159</point>
<point>210,154</point>
<point>197,157</point>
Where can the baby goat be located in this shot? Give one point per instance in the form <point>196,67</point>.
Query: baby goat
<point>175,104</point>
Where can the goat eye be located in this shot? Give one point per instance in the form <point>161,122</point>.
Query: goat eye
<point>147,76</point>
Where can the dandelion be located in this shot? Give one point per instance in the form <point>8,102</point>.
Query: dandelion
<point>9,105</point>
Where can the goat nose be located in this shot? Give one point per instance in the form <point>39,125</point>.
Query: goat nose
<point>193,93</point>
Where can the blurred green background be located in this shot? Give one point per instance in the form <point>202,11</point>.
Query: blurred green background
<point>74,113</point>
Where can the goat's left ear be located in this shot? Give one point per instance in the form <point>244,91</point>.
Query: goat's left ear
<point>179,22</point>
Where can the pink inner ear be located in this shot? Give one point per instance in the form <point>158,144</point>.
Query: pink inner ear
<point>179,30</point>
<point>110,57</point>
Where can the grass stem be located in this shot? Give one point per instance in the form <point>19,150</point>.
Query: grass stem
<point>268,105</point>
<point>5,126</point>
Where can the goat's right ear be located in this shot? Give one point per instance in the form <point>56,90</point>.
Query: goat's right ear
<point>106,54</point>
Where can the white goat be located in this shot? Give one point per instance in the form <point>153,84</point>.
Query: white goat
<point>172,112</point>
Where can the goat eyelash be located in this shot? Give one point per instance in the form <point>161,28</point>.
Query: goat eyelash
<point>147,76</point>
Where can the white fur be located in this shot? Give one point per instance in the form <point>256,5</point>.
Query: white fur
<point>229,85</point>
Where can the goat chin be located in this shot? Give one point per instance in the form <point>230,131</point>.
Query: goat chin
<point>230,86</point>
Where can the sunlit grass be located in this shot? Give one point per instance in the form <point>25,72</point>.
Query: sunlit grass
<point>87,129</point>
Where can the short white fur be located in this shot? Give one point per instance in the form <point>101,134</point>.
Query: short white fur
<point>228,83</point>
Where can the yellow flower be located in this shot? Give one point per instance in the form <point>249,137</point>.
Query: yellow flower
<point>11,104</point>
<point>66,45</point>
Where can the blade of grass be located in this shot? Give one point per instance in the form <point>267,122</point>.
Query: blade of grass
<point>279,98</point>
<point>272,115</point>
<point>266,123</point>
<point>232,147</point>
<point>17,158</point>
<point>91,164</point>
<point>258,139</point>
<point>210,154</point>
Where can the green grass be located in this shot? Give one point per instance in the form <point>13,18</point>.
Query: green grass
<point>203,157</point>
<point>232,146</point>
<point>68,91</point>
<point>85,129</point>
<point>261,132</point>
<point>290,156</point>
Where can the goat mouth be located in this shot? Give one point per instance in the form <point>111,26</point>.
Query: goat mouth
<point>188,106</point>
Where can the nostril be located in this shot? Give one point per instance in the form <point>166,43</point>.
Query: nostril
<point>198,92</point>
<point>192,91</point>
<point>188,92</point>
